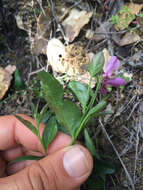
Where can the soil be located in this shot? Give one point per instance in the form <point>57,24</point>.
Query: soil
<point>123,142</point>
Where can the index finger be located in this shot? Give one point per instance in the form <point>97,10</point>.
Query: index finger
<point>13,133</point>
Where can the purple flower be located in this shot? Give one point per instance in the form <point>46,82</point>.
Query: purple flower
<point>109,78</point>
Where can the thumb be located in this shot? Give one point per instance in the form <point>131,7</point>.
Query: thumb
<point>65,169</point>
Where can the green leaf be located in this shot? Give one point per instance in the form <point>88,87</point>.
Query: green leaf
<point>85,119</point>
<point>89,144</point>
<point>49,132</point>
<point>44,110</point>
<point>37,11</point>
<point>97,108</point>
<point>42,116</point>
<point>93,112</point>
<point>52,90</point>
<point>97,64</point>
<point>69,116</point>
<point>19,85</point>
<point>103,168</point>
<point>97,180</point>
<point>43,113</point>
<point>67,113</point>
<point>63,129</point>
<point>95,183</point>
<point>35,110</point>
<point>27,124</point>
<point>80,91</point>
<point>46,117</point>
<point>27,157</point>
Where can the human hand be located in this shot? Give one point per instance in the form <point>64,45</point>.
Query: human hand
<point>65,168</point>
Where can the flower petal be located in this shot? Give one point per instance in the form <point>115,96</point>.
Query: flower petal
<point>112,66</point>
<point>115,82</point>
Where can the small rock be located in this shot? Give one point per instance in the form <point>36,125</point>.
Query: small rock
<point>89,34</point>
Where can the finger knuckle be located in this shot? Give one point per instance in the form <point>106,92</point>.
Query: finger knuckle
<point>40,179</point>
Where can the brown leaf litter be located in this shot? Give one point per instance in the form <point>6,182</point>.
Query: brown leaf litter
<point>5,79</point>
<point>134,10</point>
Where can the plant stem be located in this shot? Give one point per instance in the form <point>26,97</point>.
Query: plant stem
<point>39,137</point>
<point>37,121</point>
<point>86,109</point>
<point>79,129</point>
<point>87,96</point>
<point>95,94</point>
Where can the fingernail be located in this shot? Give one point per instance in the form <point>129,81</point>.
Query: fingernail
<point>75,162</point>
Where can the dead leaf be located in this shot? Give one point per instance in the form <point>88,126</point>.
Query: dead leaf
<point>136,60</point>
<point>5,78</point>
<point>45,20</point>
<point>134,9</point>
<point>74,22</point>
<point>19,22</point>
<point>10,69</point>
<point>44,25</point>
<point>43,32</point>
<point>101,31</point>
<point>39,46</point>
<point>129,38</point>
<point>110,109</point>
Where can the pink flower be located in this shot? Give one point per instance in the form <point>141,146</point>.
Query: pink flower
<point>109,78</point>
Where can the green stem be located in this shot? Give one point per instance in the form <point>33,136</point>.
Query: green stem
<point>87,96</point>
<point>39,137</point>
<point>95,94</point>
<point>79,129</point>
<point>73,141</point>
<point>86,109</point>
<point>37,126</point>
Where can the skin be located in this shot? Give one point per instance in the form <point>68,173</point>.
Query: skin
<point>16,140</point>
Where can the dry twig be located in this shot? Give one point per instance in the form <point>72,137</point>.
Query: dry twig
<point>118,155</point>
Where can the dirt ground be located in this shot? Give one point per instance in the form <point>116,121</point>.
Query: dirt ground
<point>120,136</point>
